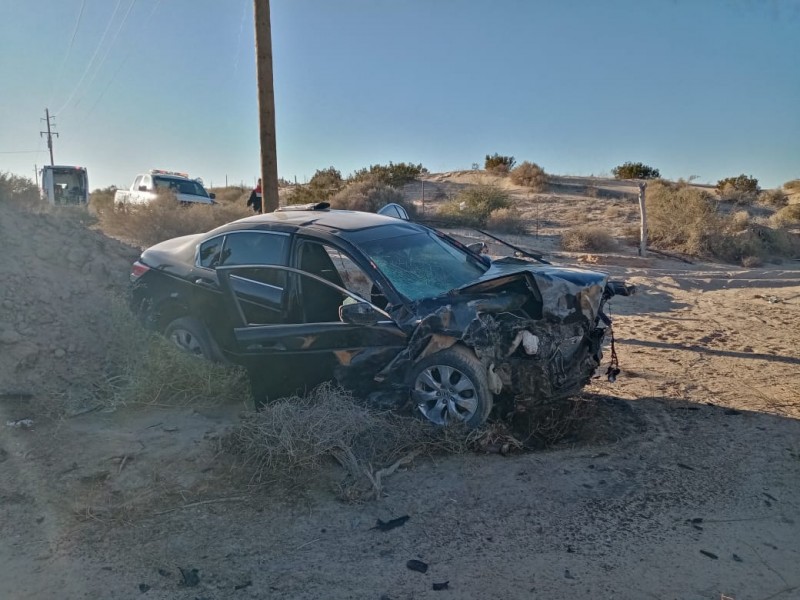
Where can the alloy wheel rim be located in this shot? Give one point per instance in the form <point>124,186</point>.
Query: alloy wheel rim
<point>445,395</point>
<point>187,342</point>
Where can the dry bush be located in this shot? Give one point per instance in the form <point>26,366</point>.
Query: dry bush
<point>145,368</point>
<point>576,215</point>
<point>165,218</point>
<point>587,238</point>
<point>776,198</point>
<point>530,175</point>
<point>682,218</point>
<point>752,262</point>
<point>369,195</point>
<point>728,192</point>
<point>18,190</point>
<point>793,186</point>
<point>290,440</point>
<point>739,220</point>
<point>472,206</point>
<point>506,220</point>
<point>788,216</point>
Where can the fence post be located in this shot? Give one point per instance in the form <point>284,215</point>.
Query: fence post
<point>643,216</point>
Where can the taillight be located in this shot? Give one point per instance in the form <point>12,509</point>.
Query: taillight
<point>138,269</point>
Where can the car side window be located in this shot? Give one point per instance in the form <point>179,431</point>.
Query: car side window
<point>137,182</point>
<point>256,248</point>
<point>320,303</point>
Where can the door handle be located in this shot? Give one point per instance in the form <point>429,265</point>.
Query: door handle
<point>205,283</point>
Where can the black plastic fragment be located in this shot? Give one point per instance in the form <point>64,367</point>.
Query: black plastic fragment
<point>684,466</point>
<point>392,524</point>
<point>709,554</point>
<point>241,586</point>
<point>437,587</point>
<point>190,577</point>
<point>143,588</point>
<point>417,565</point>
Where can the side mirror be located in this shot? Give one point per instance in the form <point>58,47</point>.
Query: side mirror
<point>212,195</point>
<point>142,188</point>
<point>394,210</point>
<point>359,313</point>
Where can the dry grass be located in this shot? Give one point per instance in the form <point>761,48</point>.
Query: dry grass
<point>730,193</point>
<point>774,198</point>
<point>506,220</point>
<point>587,238</point>
<point>164,218</point>
<point>788,216</point>
<point>473,206</point>
<point>288,442</point>
<point>739,220</point>
<point>144,368</point>
<point>793,186</point>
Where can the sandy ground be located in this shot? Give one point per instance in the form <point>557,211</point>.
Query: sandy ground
<point>695,496</point>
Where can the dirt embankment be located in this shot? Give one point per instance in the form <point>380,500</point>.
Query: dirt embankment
<point>57,281</point>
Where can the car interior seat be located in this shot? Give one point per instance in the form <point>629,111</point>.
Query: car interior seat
<point>320,302</point>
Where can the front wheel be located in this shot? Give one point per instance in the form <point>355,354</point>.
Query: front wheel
<point>450,387</point>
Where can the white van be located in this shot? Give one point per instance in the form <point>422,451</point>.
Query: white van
<point>63,184</point>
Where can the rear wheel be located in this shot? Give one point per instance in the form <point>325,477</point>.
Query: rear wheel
<point>450,387</point>
<point>191,336</point>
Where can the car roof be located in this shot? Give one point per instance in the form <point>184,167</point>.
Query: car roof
<point>342,222</point>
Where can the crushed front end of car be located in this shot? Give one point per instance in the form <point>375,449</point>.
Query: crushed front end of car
<point>537,329</point>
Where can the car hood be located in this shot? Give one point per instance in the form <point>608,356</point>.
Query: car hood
<point>563,292</point>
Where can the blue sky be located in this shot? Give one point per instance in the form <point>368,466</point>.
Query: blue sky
<point>692,87</point>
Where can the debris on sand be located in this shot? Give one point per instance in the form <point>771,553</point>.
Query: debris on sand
<point>392,524</point>
<point>417,565</point>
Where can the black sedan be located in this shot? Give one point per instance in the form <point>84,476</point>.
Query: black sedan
<point>394,310</point>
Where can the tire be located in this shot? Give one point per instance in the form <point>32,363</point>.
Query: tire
<point>191,336</point>
<point>450,387</point>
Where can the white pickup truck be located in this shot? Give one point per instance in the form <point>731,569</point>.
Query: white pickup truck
<point>146,187</point>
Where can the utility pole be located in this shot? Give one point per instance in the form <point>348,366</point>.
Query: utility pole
<point>49,133</point>
<point>643,219</point>
<point>266,107</point>
<point>36,174</point>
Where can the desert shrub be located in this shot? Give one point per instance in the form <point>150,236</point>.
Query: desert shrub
<point>322,186</point>
<point>752,261</point>
<point>395,175</point>
<point>369,195</point>
<point>776,198</point>
<point>18,190</point>
<point>686,219</point>
<point>530,175</point>
<point>165,218</point>
<point>498,164</point>
<point>473,205</point>
<point>793,186</point>
<point>631,170</point>
<point>788,216</point>
<point>102,199</point>
<point>739,220</point>
<point>741,183</point>
<point>506,220</point>
<point>290,440</point>
<point>587,238</point>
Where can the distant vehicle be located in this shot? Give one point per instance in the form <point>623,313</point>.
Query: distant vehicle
<point>63,184</point>
<point>146,187</point>
<point>389,308</point>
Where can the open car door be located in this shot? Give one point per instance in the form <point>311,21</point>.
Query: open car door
<point>354,342</point>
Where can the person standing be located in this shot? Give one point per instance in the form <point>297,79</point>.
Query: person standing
<point>255,198</point>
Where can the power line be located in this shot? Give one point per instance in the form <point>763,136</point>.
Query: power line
<point>121,64</point>
<point>19,151</point>
<point>91,60</point>
<point>57,79</point>
<point>108,48</point>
